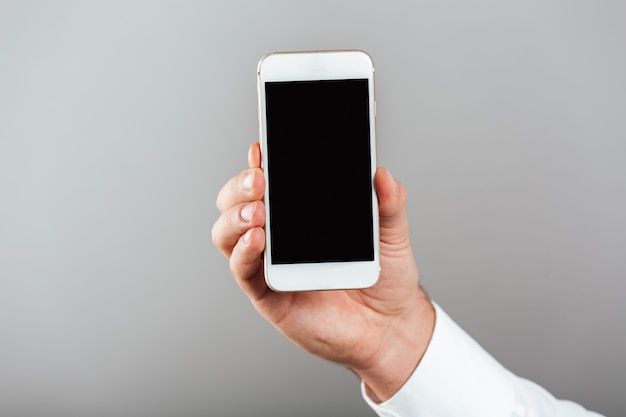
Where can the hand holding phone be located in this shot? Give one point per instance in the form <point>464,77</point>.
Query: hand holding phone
<point>379,332</point>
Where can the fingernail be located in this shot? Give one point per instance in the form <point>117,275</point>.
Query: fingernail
<point>246,183</point>
<point>246,236</point>
<point>247,211</point>
<point>394,183</point>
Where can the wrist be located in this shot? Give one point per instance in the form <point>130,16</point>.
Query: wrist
<point>403,346</point>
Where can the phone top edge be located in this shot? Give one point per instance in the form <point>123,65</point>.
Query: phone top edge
<point>319,51</point>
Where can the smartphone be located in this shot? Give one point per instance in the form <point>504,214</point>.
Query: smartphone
<point>317,133</point>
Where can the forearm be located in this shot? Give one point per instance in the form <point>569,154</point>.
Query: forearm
<point>458,378</point>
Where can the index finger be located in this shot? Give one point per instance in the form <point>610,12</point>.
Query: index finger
<point>254,155</point>
<point>244,187</point>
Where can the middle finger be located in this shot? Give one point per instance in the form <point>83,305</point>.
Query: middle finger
<point>249,185</point>
<point>233,223</point>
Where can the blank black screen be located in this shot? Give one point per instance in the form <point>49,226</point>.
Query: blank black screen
<point>320,185</point>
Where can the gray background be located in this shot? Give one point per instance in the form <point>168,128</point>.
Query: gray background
<point>120,121</point>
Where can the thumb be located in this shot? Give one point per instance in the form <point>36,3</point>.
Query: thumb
<point>394,225</point>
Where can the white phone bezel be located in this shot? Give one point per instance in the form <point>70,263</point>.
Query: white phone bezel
<point>319,65</point>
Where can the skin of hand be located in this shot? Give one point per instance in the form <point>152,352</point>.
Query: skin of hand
<point>380,333</point>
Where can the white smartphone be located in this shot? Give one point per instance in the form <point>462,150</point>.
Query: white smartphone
<point>317,134</point>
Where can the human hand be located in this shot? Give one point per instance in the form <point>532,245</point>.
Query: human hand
<point>380,333</point>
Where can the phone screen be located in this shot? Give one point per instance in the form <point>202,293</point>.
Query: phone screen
<point>319,171</point>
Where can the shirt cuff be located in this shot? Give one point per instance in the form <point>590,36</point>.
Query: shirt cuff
<point>455,378</point>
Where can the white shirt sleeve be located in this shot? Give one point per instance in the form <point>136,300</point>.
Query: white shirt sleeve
<point>458,378</point>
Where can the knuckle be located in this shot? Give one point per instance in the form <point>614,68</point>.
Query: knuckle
<point>233,266</point>
<point>220,201</point>
<point>215,235</point>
